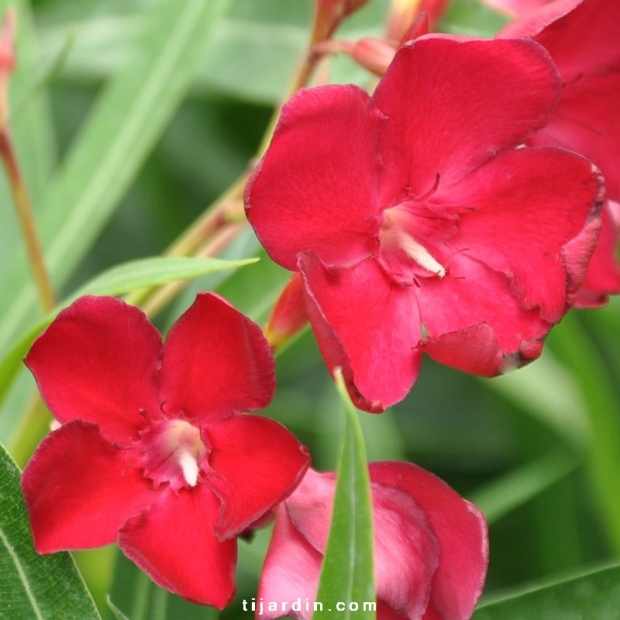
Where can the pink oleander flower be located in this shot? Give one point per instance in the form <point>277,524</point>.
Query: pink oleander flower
<point>583,38</point>
<point>418,221</point>
<point>7,61</point>
<point>517,7</point>
<point>431,547</point>
<point>154,450</point>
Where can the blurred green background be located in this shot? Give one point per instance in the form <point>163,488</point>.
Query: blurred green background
<point>537,449</point>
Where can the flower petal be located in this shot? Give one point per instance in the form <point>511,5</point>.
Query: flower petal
<point>255,464</point>
<point>527,205</point>
<point>580,35</point>
<point>474,323</point>
<point>318,185</point>
<point>174,543</point>
<point>582,38</point>
<point>216,361</point>
<point>603,274</point>
<point>291,570</point>
<point>80,489</point>
<point>98,361</point>
<point>587,122</point>
<point>453,103</point>
<point>367,325</point>
<point>406,550</point>
<point>460,529</point>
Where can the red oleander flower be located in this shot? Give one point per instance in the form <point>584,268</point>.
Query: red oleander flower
<point>431,547</point>
<point>418,221</point>
<point>153,450</point>
<point>582,37</point>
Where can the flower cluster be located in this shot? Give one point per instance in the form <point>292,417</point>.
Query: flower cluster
<point>417,219</point>
<point>459,211</point>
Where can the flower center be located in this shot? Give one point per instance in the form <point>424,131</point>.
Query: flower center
<point>173,452</point>
<point>404,257</point>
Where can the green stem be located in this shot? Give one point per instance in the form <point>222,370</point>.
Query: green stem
<point>25,216</point>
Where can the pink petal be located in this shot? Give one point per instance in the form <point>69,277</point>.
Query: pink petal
<point>518,7</point>
<point>460,529</point>
<point>174,543</point>
<point>474,323</point>
<point>450,108</point>
<point>98,361</point>
<point>318,185</point>
<point>406,551</point>
<point>256,463</point>
<point>291,570</point>
<point>367,325</point>
<point>216,361</point>
<point>528,204</point>
<point>80,489</point>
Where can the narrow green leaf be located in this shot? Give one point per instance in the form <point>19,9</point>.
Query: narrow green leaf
<point>598,386</point>
<point>127,120</point>
<point>593,595</point>
<point>148,272</point>
<point>116,612</point>
<point>33,586</point>
<point>519,486</point>
<point>347,575</point>
<point>116,281</point>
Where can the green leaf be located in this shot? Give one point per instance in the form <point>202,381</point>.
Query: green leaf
<point>116,281</point>
<point>347,575</point>
<point>519,486</point>
<point>128,118</point>
<point>594,595</point>
<point>147,272</point>
<point>33,586</point>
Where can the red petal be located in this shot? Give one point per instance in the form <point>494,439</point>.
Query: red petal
<point>216,361</point>
<point>452,104</point>
<point>528,204</point>
<point>98,361</point>
<point>256,463</point>
<point>317,187</point>
<point>471,316</point>
<point>460,529</point>
<point>80,489</point>
<point>174,543</point>
<point>588,123</point>
<point>581,35</point>
<point>366,325</point>
<point>291,571</point>
<point>603,275</point>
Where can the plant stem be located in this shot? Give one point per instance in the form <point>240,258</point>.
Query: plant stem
<point>25,216</point>
<point>214,245</point>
